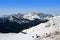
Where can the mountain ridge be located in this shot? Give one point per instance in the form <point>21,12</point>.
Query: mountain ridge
<point>18,22</point>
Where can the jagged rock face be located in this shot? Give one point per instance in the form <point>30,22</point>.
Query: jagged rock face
<point>17,22</point>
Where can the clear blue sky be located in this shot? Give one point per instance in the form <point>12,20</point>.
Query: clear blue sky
<point>17,6</point>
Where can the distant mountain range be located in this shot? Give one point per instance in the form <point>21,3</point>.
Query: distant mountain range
<point>17,22</point>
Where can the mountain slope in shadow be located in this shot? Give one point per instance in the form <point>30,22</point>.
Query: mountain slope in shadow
<point>14,27</point>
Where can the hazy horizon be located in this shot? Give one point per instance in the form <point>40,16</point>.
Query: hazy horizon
<point>8,7</point>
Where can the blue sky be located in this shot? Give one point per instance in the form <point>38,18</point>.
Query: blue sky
<point>8,7</point>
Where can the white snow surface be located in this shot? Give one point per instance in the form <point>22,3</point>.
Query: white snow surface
<point>44,31</point>
<point>31,16</point>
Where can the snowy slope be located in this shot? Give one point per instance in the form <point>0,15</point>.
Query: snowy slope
<point>49,30</point>
<point>31,32</point>
<point>44,31</point>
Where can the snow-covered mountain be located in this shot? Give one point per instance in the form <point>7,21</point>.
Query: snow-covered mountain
<point>49,30</point>
<point>30,16</point>
<point>44,31</point>
<point>33,15</point>
<point>18,22</point>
